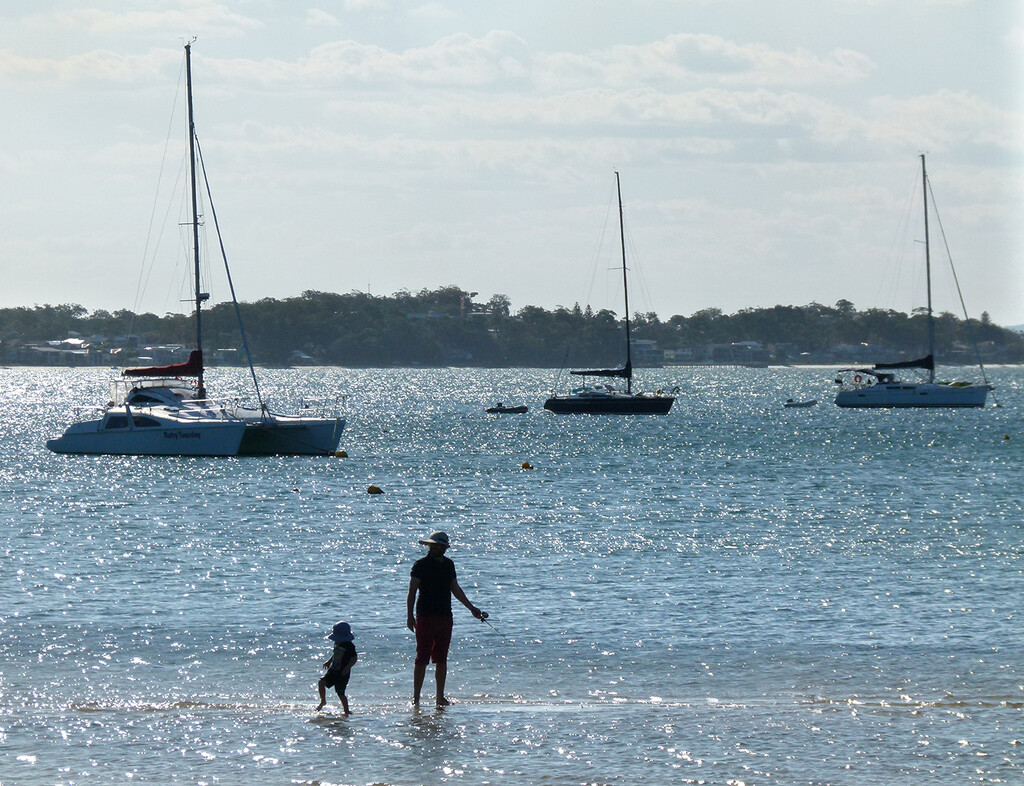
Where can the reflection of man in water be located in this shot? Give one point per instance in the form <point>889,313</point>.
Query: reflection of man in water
<point>433,577</point>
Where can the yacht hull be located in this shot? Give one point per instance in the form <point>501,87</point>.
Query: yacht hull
<point>903,395</point>
<point>609,405</point>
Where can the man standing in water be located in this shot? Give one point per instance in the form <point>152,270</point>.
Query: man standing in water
<point>433,577</point>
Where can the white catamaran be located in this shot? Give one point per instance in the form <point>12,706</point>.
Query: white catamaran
<point>878,386</point>
<point>163,412</point>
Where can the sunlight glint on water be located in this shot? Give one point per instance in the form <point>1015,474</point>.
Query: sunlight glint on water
<point>734,592</point>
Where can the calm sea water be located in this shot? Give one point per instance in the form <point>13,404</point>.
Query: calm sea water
<point>736,593</point>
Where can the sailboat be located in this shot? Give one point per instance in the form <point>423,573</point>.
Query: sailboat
<point>158,424</point>
<point>878,386</point>
<point>164,412</point>
<point>605,399</point>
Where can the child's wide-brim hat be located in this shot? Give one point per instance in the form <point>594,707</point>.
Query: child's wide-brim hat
<point>437,539</point>
<point>341,633</point>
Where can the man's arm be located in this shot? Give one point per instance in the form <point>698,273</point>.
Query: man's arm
<point>461,597</point>
<point>410,604</point>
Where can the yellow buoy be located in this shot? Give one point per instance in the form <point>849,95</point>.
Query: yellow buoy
<point>341,454</point>
<point>374,490</point>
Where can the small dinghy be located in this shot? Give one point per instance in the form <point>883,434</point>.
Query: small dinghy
<point>800,404</point>
<point>501,409</point>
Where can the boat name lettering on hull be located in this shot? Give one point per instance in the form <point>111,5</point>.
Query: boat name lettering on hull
<point>182,435</point>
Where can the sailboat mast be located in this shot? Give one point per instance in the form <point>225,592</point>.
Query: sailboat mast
<point>200,295</point>
<point>625,289</point>
<point>928,271</point>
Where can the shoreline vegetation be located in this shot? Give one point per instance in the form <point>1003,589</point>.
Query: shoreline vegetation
<point>447,327</point>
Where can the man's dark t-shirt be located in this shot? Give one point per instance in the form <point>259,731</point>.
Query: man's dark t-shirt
<point>435,592</point>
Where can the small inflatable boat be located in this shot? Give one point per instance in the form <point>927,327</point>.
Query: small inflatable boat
<point>791,403</point>
<point>501,409</point>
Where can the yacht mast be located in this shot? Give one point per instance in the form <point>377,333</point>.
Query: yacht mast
<point>200,295</point>
<point>928,272</point>
<point>625,289</point>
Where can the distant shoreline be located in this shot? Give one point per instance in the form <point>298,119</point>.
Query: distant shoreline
<point>314,366</point>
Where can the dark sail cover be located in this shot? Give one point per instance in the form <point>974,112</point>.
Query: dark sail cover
<point>193,367</point>
<point>625,372</point>
<point>928,362</point>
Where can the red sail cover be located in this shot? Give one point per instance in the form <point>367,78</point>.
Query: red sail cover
<point>193,367</point>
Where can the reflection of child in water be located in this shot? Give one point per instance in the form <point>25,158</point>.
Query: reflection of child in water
<point>339,667</point>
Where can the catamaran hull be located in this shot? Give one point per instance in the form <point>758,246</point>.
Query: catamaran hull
<point>916,396</point>
<point>284,436</point>
<point>610,405</point>
<point>207,439</point>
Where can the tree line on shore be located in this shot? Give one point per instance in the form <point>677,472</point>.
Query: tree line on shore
<point>446,327</point>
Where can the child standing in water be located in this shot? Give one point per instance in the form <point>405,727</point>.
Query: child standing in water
<point>339,666</point>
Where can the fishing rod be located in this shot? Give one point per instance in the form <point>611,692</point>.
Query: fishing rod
<point>483,619</point>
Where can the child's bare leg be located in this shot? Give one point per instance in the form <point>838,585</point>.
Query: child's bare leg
<point>323,694</point>
<point>344,703</point>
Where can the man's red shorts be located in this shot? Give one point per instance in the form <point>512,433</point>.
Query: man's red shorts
<point>433,637</point>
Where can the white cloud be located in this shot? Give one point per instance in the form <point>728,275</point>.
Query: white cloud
<point>99,65</point>
<point>492,60</point>
<point>686,58</point>
<point>192,16</point>
<point>316,17</point>
<point>502,60</point>
<point>456,61</point>
<point>944,119</point>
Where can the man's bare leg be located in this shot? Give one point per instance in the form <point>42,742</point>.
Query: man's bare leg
<point>418,673</point>
<point>440,676</point>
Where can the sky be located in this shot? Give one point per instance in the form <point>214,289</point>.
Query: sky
<point>767,150</point>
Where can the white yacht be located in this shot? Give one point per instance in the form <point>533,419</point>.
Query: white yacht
<point>878,387</point>
<point>871,387</point>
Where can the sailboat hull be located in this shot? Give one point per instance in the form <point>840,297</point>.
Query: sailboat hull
<point>167,438</point>
<point>609,405</point>
<point>909,395</point>
<point>283,435</point>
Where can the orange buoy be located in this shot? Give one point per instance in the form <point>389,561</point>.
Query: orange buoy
<point>526,465</point>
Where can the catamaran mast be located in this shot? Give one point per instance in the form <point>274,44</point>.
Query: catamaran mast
<point>200,295</point>
<point>625,289</point>
<point>928,273</point>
